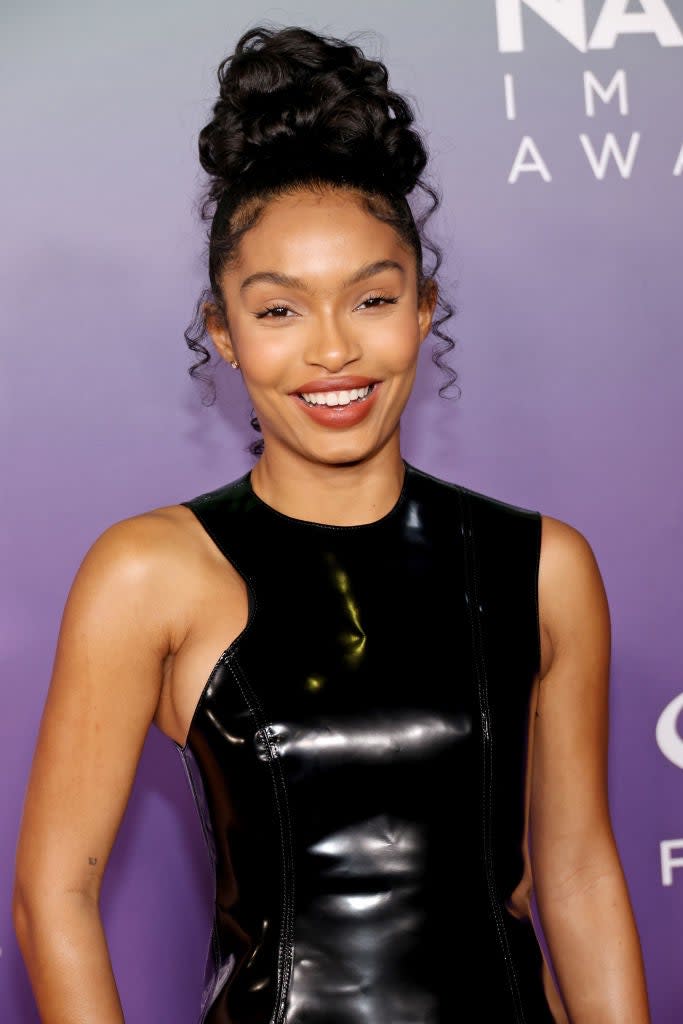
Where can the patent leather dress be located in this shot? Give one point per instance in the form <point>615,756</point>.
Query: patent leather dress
<point>357,758</point>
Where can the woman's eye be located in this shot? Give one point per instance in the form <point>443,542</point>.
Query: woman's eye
<point>273,309</point>
<point>375,300</point>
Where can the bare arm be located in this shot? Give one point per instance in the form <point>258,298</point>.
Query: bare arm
<point>582,896</point>
<point>101,701</point>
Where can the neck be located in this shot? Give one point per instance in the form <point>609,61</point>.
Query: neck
<point>338,494</point>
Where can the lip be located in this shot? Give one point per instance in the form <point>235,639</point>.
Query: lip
<point>339,415</point>
<point>334,384</point>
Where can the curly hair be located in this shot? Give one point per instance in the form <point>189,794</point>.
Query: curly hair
<point>300,110</point>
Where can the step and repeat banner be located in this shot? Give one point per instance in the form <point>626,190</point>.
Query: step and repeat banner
<point>556,139</point>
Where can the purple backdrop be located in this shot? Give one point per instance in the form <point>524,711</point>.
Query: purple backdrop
<point>556,136</point>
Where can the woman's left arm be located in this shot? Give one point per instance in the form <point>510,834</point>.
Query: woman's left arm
<point>581,892</point>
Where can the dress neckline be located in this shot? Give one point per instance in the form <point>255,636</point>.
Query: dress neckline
<point>393,511</point>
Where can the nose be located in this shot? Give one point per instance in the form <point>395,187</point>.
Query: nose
<point>332,346</point>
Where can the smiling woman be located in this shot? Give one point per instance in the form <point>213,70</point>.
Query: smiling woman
<point>300,180</point>
<point>305,340</point>
<point>388,691</point>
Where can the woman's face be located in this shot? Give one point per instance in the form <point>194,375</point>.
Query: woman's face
<point>324,320</point>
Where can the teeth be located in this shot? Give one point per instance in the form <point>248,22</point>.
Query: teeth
<point>336,397</point>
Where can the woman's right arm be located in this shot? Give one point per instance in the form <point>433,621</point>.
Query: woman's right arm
<point>115,634</point>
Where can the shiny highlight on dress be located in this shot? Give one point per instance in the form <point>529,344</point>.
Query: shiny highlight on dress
<point>358,758</point>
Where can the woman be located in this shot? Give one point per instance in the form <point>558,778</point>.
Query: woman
<point>389,692</point>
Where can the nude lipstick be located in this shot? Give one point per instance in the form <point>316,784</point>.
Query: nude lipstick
<point>337,401</point>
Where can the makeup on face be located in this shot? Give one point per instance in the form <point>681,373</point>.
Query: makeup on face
<point>337,401</point>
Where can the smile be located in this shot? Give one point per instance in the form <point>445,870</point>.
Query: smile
<point>331,398</point>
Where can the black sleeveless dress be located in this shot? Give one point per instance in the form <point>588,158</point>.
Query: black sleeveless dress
<point>357,758</point>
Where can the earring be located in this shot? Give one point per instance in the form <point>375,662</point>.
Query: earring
<point>234,364</point>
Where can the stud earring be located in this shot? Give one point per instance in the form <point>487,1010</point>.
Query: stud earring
<point>234,364</point>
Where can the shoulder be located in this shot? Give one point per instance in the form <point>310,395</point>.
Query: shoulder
<point>144,545</point>
<point>145,565</point>
<point>167,548</point>
<point>573,602</point>
<point>573,609</point>
<point>494,522</point>
<point>449,489</point>
<point>564,548</point>
<point>568,564</point>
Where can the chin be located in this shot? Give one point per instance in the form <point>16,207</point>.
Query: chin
<point>337,454</point>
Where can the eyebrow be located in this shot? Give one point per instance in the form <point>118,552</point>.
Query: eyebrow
<point>287,281</point>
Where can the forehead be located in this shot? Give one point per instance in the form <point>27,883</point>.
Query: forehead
<point>318,234</point>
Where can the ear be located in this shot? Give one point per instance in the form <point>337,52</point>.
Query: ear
<point>426,307</point>
<point>218,330</point>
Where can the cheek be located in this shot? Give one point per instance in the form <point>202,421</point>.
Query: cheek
<point>399,348</point>
<point>265,361</point>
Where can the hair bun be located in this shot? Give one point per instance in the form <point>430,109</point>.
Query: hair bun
<point>292,101</point>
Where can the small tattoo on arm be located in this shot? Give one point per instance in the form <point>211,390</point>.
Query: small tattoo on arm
<point>92,860</point>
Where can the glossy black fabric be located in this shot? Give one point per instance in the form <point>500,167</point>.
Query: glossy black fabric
<point>357,758</point>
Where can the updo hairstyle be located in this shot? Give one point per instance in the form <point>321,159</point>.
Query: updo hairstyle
<point>297,110</point>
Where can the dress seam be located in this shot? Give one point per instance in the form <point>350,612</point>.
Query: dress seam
<point>214,941</point>
<point>474,609</point>
<point>285,950</point>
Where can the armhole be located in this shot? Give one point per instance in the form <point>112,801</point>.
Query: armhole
<point>233,647</point>
<point>538,536</point>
